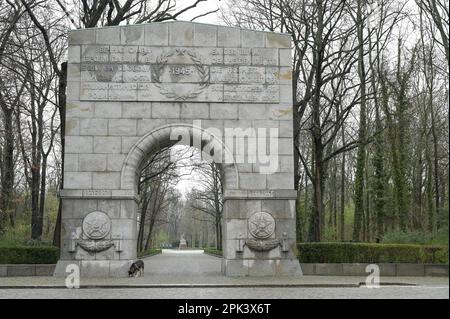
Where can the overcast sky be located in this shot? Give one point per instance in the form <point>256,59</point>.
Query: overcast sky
<point>203,7</point>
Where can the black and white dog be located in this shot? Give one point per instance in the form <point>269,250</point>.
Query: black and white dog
<point>136,269</point>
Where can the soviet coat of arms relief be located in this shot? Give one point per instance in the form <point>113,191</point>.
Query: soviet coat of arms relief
<point>261,227</point>
<point>95,236</point>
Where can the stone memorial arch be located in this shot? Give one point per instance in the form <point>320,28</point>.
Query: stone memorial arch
<point>134,89</point>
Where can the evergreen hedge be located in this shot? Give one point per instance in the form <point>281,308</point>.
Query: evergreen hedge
<point>213,251</point>
<point>148,253</point>
<point>29,255</point>
<point>371,253</point>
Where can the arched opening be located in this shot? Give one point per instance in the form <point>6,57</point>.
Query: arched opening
<point>169,218</point>
<point>167,136</point>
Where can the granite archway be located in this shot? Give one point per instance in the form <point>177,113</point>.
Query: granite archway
<point>128,88</point>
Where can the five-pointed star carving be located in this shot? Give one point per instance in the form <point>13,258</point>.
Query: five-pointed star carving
<point>261,224</point>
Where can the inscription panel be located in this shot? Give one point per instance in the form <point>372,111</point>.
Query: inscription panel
<point>224,74</point>
<point>251,93</point>
<point>206,74</point>
<point>251,74</point>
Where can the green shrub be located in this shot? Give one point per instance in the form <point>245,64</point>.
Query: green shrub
<point>416,237</point>
<point>29,255</point>
<point>213,251</point>
<point>371,253</point>
<point>149,252</point>
<point>441,237</point>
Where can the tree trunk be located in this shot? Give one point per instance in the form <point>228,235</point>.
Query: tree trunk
<point>361,155</point>
<point>342,187</point>
<point>40,218</point>
<point>7,170</point>
<point>62,115</point>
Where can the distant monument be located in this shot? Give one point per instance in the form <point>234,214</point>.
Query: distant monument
<point>183,243</point>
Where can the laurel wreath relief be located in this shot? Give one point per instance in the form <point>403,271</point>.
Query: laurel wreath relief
<point>161,62</point>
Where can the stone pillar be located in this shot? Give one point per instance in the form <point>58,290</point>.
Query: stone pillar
<point>98,234</point>
<point>259,227</point>
<point>128,87</point>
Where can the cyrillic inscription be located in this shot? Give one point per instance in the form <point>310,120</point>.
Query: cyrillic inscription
<point>251,93</point>
<point>251,74</point>
<point>146,73</point>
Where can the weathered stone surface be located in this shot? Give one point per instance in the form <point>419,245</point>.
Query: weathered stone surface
<point>128,209</point>
<point>228,37</point>
<point>110,36</point>
<point>45,270</point>
<point>93,127</point>
<point>388,269</point>
<point>73,126</point>
<point>355,269</point>
<point>122,127</point>
<point>132,35</point>
<point>119,268</point>
<point>128,86</point>
<point>73,72</point>
<point>410,269</point>
<point>237,56</point>
<point>128,142</point>
<point>223,111</point>
<point>21,270</point>
<point>147,125</point>
<point>108,110</point>
<point>283,209</point>
<point>79,109</point>
<point>94,268</point>
<point>82,36</point>
<point>252,111</point>
<point>71,162</point>
<point>329,269</point>
<point>101,72</point>
<point>252,74</point>
<point>109,207</point>
<point>92,162</point>
<point>252,181</point>
<point>277,40</point>
<point>107,144</point>
<point>195,111</point>
<point>235,268</point>
<point>436,270</point>
<point>285,57</point>
<point>224,74</point>
<point>252,39</point>
<point>106,180</point>
<point>307,269</point>
<point>251,93</point>
<point>157,34</point>
<point>181,34</point>
<point>78,180</point>
<point>74,53</point>
<point>205,35</point>
<point>115,162</point>
<point>3,271</point>
<point>265,57</point>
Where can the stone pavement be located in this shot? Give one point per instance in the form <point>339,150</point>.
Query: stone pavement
<point>389,292</point>
<point>190,269</point>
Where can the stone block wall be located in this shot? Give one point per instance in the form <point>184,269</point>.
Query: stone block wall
<point>128,85</point>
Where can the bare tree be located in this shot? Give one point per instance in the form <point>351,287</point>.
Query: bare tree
<point>207,197</point>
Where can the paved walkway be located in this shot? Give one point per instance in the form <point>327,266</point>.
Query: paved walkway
<point>193,269</point>
<point>230,293</point>
<point>182,263</point>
